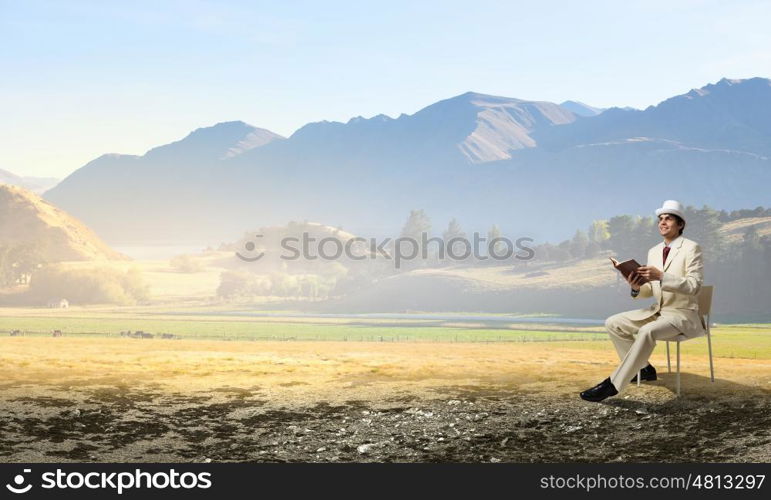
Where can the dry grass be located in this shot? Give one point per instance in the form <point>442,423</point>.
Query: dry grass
<point>301,373</point>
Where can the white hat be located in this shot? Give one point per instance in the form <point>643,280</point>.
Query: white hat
<point>673,207</point>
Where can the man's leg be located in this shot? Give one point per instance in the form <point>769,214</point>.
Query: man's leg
<point>622,331</point>
<point>637,357</point>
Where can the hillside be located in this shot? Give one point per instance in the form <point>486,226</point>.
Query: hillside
<point>734,230</point>
<point>588,288</point>
<point>27,219</point>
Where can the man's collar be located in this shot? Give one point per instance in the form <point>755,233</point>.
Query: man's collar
<point>675,243</point>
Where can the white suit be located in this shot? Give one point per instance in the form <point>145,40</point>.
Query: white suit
<point>674,312</point>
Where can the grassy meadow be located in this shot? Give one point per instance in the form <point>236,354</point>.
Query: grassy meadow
<point>260,338</point>
<point>434,359</point>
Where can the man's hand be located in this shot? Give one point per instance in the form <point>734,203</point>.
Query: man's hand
<point>634,280</point>
<point>650,272</point>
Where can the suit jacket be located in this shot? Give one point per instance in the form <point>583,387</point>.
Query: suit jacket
<point>676,295</point>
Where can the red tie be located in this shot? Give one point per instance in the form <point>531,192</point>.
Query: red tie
<point>666,252</point>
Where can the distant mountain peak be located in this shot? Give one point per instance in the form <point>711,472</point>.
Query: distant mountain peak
<point>222,140</point>
<point>478,95</point>
<point>9,177</point>
<point>581,109</point>
<point>221,128</point>
<point>480,99</point>
<point>35,184</point>
<point>729,81</point>
<point>727,85</point>
<point>234,127</point>
<point>501,124</point>
<point>357,120</point>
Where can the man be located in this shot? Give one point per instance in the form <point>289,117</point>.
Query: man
<point>674,271</point>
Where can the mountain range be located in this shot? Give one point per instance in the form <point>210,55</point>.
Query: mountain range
<point>34,184</point>
<point>534,168</point>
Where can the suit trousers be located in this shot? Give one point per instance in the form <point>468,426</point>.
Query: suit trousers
<point>634,341</point>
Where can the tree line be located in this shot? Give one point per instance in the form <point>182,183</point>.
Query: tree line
<point>739,266</point>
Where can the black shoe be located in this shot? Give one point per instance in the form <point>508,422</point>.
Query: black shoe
<point>603,390</point>
<point>647,373</point>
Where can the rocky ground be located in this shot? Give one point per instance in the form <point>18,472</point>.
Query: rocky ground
<point>107,400</point>
<point>453,425</point>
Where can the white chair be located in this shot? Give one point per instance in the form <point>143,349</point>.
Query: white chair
<point>705,307</point>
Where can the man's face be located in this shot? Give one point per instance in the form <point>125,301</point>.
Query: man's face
<point>669,228</point>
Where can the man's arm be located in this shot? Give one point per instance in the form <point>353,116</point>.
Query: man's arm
<point>641,291</point>
<point>690,284</point>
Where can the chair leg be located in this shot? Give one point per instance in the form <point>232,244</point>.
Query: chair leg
<point>669,364</point>
<point>711,366</point>
<point>639,376</point>
<point>678,369</point>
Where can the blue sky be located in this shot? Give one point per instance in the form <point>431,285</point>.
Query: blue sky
<point>82,78</point>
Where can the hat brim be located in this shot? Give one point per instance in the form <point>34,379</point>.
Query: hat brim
<point>660,211</point>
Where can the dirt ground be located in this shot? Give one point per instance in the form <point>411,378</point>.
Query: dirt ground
<point>115,400</point>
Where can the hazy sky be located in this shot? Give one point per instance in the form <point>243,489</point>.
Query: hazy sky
<point>82,78</point>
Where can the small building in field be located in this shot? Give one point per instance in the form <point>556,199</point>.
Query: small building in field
<point>58,304</point>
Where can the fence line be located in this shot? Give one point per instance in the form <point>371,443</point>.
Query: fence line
<point>469,338</point>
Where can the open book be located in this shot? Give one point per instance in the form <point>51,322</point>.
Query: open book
<point>627,267</point>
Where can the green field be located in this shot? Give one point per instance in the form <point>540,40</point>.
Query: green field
<point>751,341</point>
<point>260,329</point>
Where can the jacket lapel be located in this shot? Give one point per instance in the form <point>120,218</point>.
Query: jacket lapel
<point>674,249</point>
<point>657,262</point>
